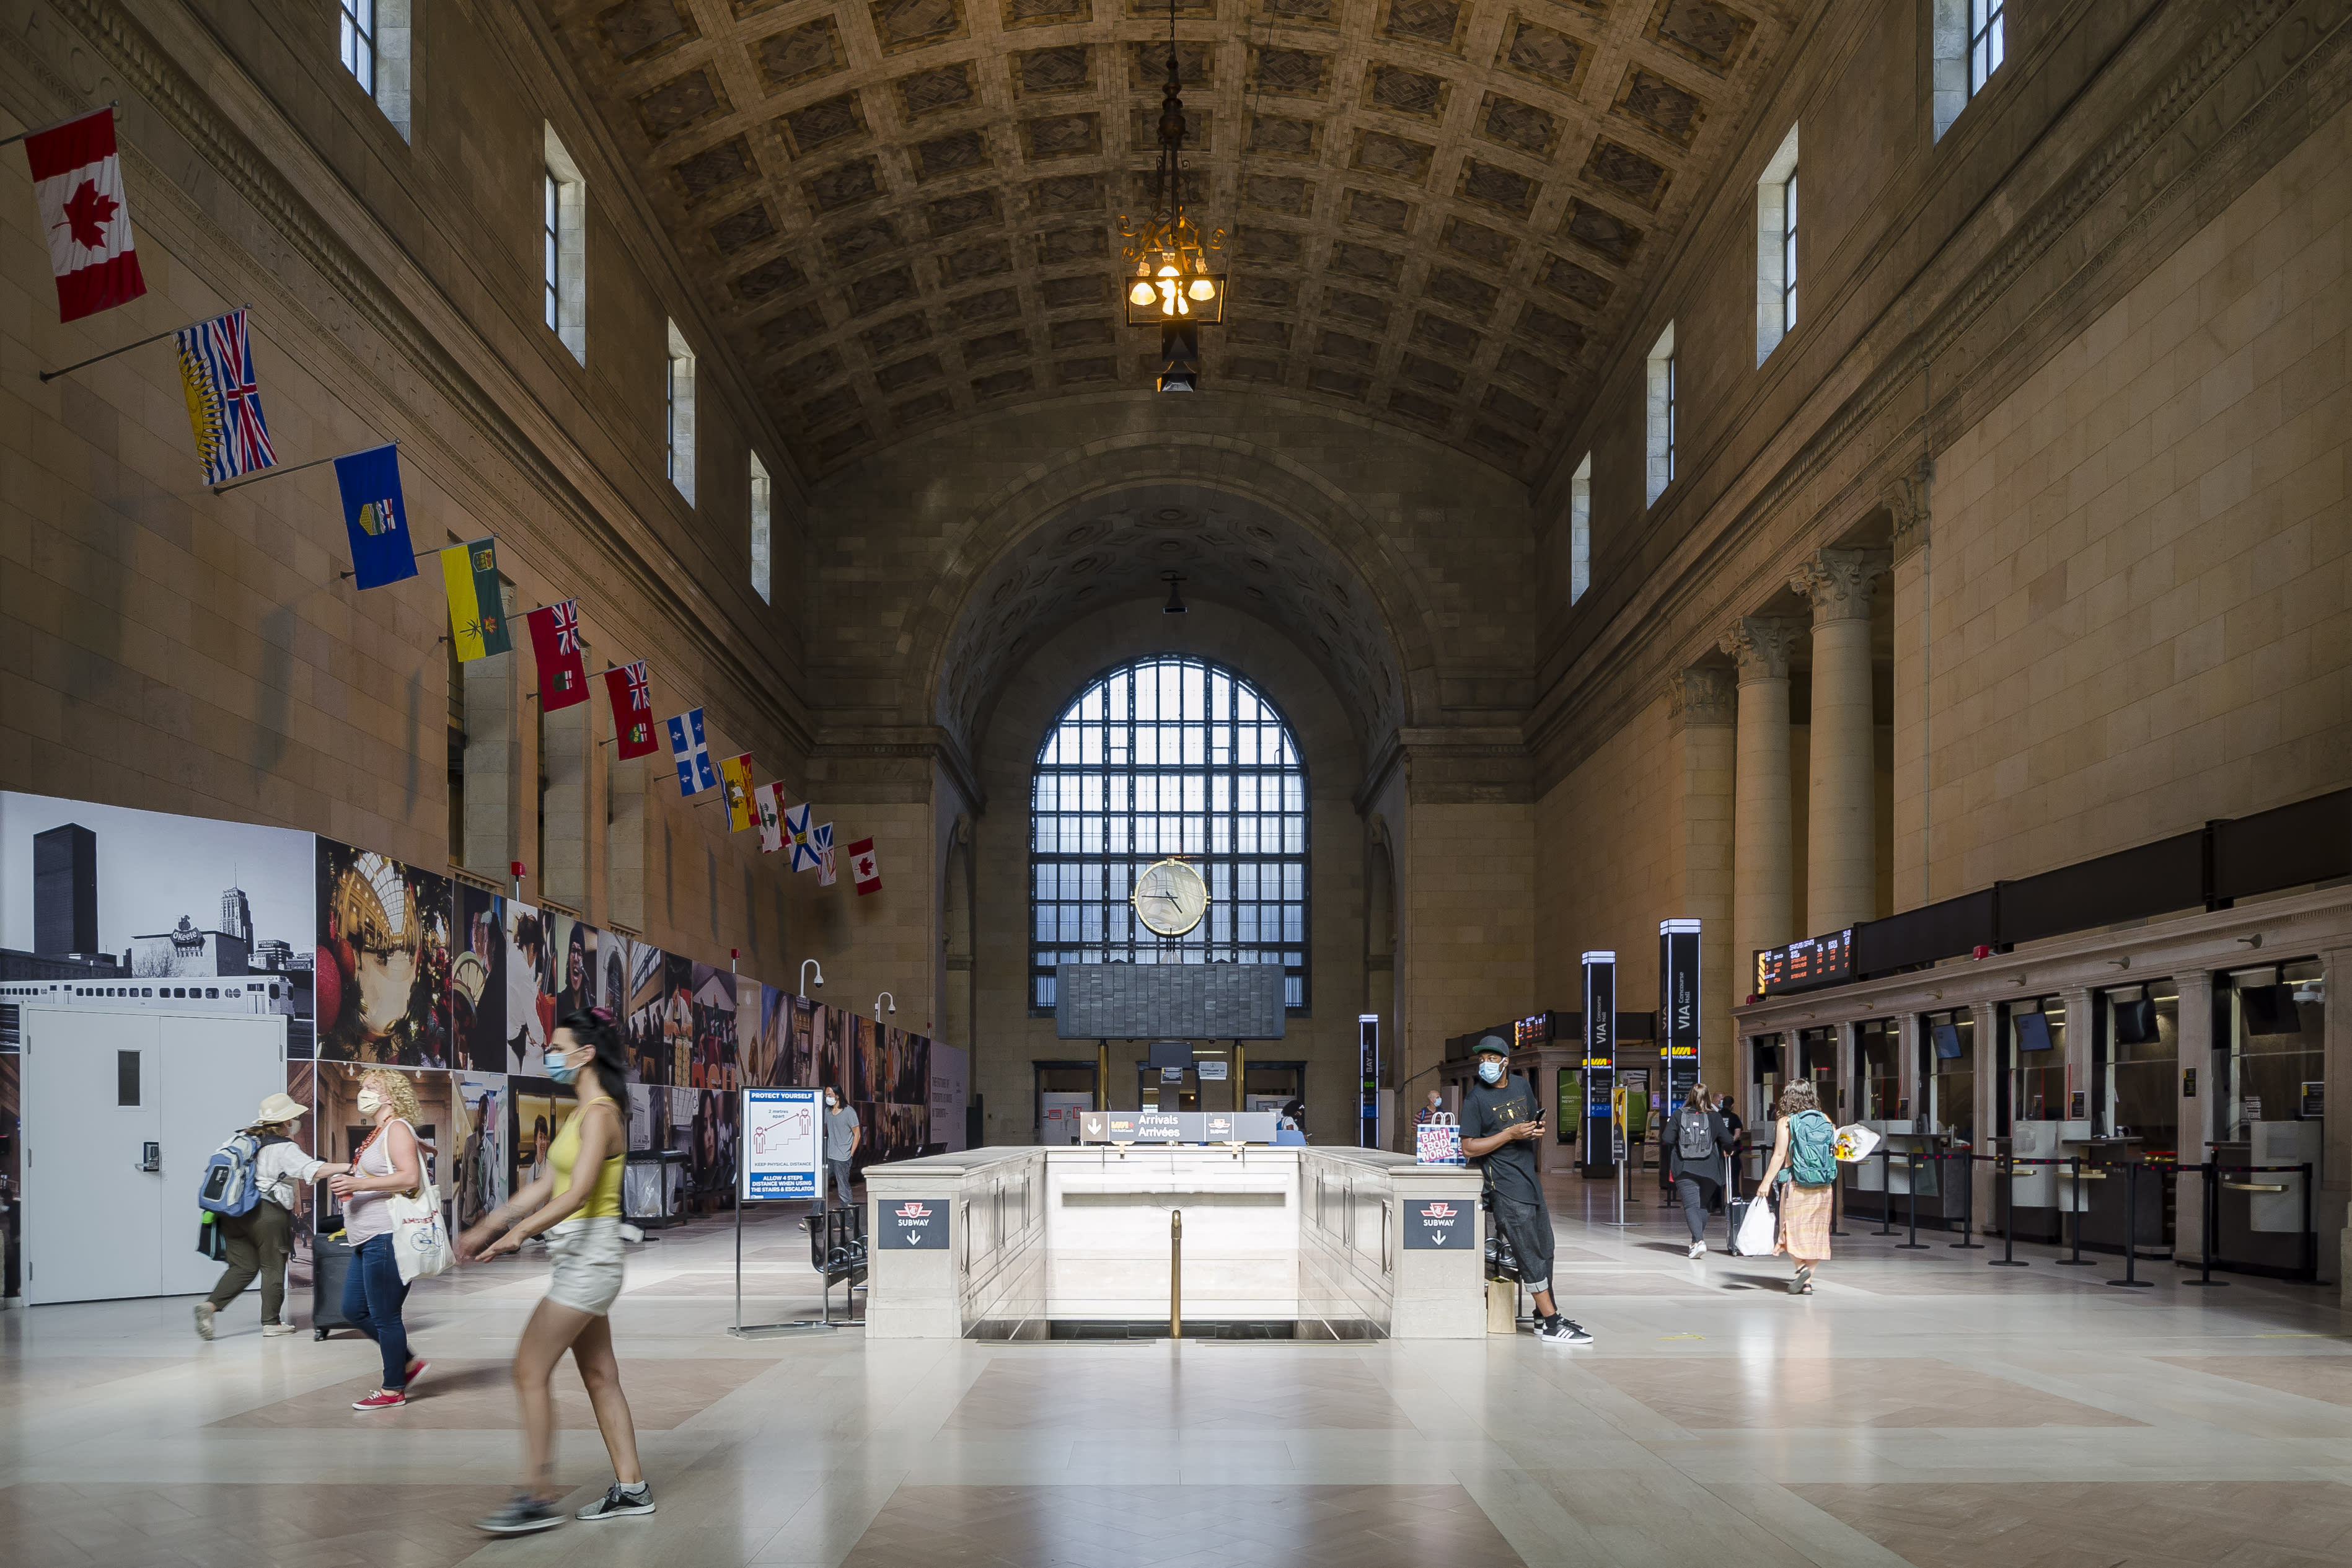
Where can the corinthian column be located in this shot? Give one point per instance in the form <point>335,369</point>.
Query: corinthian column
<point>1760,853</point>
<point>1699,717</point>
<point>1841,838</point>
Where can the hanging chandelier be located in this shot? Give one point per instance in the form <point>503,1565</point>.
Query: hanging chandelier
<point>1176,284</point>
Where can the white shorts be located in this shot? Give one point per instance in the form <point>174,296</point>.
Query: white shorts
<point>588,1258</point>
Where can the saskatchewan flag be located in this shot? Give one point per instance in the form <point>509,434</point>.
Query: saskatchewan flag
<point>478,621</point>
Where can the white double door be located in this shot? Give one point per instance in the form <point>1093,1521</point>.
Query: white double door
<point>100,1087</point>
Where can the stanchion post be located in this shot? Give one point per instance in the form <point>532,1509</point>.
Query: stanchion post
<point>1837,1193</point>
<point>1911,1180</point>
<point>2075,1259</point>
<point>1968,1242</point>
<point>1175,1274</point>
<point>2131,1279</point>
<point>1886,1190</point>
<point>2310,1240</point>
<point>2212,1214</point>
<point>2005,1172</point>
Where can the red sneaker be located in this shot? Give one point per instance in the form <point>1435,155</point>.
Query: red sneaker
<point>381,1399</point>
<point>416,1368</point>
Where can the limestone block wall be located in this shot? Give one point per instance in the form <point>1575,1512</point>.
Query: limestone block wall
<point>2140,566</point>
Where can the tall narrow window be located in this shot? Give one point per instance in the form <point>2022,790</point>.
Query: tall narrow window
<point>1970,38</point>
<point>1169,756</point>
<point>1988,41</point>
<point>563,241</point>
<point>1580,530</point>
<point>678,414</point>
<point>762,541</point>
<point>1776,247</point>
<point>1663,414</point>
<point>359,42</point>
<point>1789,256</point>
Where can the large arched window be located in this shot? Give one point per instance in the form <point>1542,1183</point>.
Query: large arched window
<point>1168,755</point>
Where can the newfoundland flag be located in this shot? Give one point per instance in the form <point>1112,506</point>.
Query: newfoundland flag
<point>375,517</point>
<point>78,182</point>
<point>555,643</point>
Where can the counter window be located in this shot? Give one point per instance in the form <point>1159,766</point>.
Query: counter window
<point>1878,1082</point>
<point>1768,1071</point>
<point>1817,1051</point>
<point>2033,1050</point>
<point>2270,1065</point>
<point>1948,1044</point>
<point>2136,1057</point>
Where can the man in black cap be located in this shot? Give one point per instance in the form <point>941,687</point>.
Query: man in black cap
<point>1501,1119</point>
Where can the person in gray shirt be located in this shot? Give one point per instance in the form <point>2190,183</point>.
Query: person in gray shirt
<point>841,1136</point>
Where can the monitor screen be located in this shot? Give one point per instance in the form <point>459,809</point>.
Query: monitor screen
<point>1947,1041</point>
<point>2033,1031</point>
<point>2135,1022</point>
<point>1172,1053</point>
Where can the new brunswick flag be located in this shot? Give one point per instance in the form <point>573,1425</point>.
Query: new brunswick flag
<point>478,621</point>
<point>737,774</point>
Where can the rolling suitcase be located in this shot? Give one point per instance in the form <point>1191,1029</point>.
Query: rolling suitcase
<point>331,1264</point>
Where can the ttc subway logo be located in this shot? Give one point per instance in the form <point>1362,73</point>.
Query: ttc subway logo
<point>914,1213</point>
<point>1439,1210</point>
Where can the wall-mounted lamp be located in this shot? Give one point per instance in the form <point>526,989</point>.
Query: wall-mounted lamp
<point>1175,604</point>
<point>807,965</point>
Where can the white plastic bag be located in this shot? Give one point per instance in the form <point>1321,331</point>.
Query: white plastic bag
<point>420,1242</point>
<point>1758,1229</point>
<point>1855,1142</point>
<point>1438,1140</point>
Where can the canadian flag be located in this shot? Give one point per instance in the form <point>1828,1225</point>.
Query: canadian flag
<point>77,180</point>
<point>863,868</point>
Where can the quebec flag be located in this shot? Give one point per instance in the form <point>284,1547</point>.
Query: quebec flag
<point>691,752</point>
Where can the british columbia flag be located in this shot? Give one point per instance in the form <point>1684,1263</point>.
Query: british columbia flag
<point>224,398</point>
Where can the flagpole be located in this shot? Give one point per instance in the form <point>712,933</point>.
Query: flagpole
<point>48,375</point>
<point>273,471</point>
<point>52,125</point>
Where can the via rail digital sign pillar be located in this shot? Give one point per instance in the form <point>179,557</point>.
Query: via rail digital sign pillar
<point>1678,1008</point>
<point>1602,1154</point>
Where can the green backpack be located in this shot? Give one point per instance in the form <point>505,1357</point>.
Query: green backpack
<point>1813,1149</point>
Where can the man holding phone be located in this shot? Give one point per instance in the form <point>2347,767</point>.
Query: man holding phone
<point>1501,1119</point>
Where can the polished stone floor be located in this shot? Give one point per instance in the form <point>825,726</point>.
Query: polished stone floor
<point>1920,1408</point>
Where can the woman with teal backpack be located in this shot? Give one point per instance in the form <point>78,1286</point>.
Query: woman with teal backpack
<point>1804,1156</point>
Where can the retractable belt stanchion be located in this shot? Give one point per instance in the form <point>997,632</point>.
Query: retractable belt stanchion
<point>2075,1259</point>
<point>2005,1172</point>
<point>2131,1279</point>
<point>2310,1237</point>
<point>1911,1180</point>
<point>1886,1190</point>
<point>2209,1243</point>
<point>1968,1242</point>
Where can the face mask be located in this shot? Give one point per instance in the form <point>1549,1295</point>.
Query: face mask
<point>561,1068</point>
<point>1490,1071</point>
<point>370,1102</point>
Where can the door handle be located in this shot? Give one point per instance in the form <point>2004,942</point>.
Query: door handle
<point>151,1157</point>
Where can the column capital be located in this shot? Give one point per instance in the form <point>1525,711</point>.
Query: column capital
<point>1906,502</point>
<point>1701,696</point>
<point>1839,582</point>
<point>1760,644</point>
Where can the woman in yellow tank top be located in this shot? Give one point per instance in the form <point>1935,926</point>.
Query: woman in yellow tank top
<point>578,1205</point>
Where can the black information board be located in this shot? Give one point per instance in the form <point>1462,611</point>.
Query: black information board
<point>1439,1222</point>
<point>908,1225</point>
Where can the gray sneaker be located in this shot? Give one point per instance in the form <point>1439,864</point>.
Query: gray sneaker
<point>522,1515</point>
<point>1561,1332</point>
<point>205,1312</point>
<point>619,1501</point>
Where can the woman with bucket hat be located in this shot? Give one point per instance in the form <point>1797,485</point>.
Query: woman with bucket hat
<point>258,1241</point>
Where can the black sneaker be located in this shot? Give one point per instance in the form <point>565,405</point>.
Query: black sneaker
<point>1559,1331</point>
<point>522,1515</point>
<point>619,1501</point>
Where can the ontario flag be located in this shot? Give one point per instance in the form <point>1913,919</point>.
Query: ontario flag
<point>77,181</point>
<point>632,691</point>
<point>863,868</point>
<point>555,643</point>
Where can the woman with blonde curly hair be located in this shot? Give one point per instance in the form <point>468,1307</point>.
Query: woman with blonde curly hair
<point>1804,1155</point>
<point>373,1293</point>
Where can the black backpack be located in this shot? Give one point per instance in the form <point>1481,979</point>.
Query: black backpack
<point>1694,1134</point>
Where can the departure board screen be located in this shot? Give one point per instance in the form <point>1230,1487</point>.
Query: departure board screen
<point>1803,965</point>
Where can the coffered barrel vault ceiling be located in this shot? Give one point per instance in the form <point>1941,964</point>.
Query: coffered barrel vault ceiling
<point>1441,209</point>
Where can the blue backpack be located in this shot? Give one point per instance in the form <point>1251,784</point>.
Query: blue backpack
<point>231,1183</point>
<point>1813,1149</point>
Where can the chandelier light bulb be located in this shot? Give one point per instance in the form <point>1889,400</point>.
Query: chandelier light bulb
<point>1141,294</point>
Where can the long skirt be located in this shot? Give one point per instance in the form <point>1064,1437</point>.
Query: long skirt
<point>1805,1221</point>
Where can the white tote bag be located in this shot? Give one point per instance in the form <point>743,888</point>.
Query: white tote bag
<point>420,1241</point>
<point>1758,1229</point>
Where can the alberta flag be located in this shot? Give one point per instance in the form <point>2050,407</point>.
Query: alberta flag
<point>691,752</point>
<point>78,184</point>
<point>375,517</point>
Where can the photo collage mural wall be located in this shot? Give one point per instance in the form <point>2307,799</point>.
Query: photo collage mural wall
<point>378,962</point>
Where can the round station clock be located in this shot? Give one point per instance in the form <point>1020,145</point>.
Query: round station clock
<point>1170,897</point>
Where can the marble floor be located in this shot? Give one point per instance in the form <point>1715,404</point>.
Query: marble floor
<point>1920,1408</point>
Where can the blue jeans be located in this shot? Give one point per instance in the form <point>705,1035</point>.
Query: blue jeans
<point>372,1295</point>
